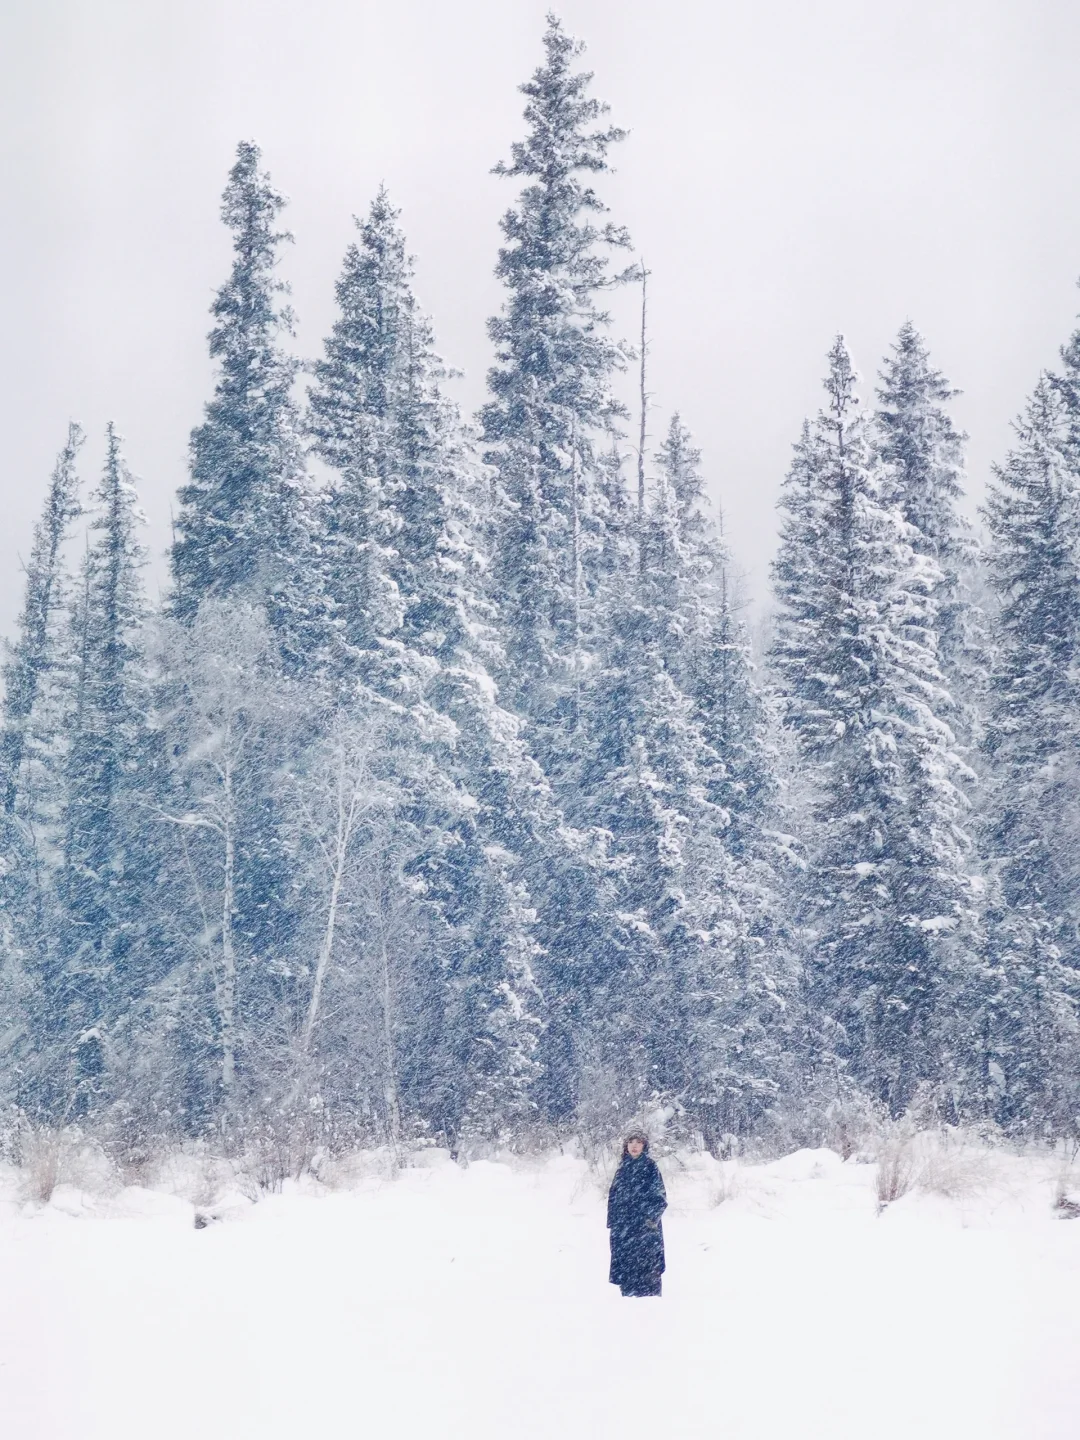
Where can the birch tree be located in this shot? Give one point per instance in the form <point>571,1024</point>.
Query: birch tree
<point>226,728</point>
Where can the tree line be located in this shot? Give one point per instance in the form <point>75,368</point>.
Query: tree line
<point>443,796</point>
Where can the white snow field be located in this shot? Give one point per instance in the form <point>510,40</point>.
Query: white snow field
<point>452,1302</point>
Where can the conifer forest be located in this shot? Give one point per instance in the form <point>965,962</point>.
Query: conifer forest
<point>447,796</point>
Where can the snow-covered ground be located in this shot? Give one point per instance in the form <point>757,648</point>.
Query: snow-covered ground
<point>454,1302</point>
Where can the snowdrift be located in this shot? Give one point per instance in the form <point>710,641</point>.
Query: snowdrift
<point>472,1302</point>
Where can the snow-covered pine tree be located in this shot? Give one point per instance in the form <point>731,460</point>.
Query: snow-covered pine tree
<point>37,679</point>
<point>708,650</point>
<point>888,899</point>
<point>240,525</point>
<point>107,878</point>
<point>642,783</point>
<point>1028,1025</point>
<point>358,387</point>
<point>690,1011</point>
<point>34,656</point>
<point>243,527</point>
<point>552,403</point>
<point>560,533</point>
<point>402,578</point>
<point>924,455</point>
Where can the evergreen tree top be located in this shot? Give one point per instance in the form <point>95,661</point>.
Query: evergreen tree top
<point>358,380</point>
<point>908,374</point>
<point>1067,384</point>
<point>45,578</point>
<point>920,443</point>
<point>245,303</point>
<point>547,333</point>
<point>116,499</point>
<point>1033,512</point>
<point>679,460</point>
<point>559,112</point>
<point>1070,356</point>
<point>403,516</point>
<point>35,653</point>
<point>239,516</point>
<point>840,383</point>
<point>853,596</point>
<point>117,554</point>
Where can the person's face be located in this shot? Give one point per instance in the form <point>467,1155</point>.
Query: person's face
<point>634,1148</point>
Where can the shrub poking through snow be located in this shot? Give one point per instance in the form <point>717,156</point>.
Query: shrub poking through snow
<point>895,1170</point>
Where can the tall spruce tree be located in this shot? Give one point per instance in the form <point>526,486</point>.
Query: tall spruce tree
<point>708,650</point>
<point>551,398</point>
<point>242,532</point>
<point>686,1010</point>
<point>888,899</point>
<point>1028,1023</point>
<point>643,784</point>
<point>924,456</point>
<point>37,679</point>
<point>359,385</point>
<point>240,525</point>
<point>402,580</point>
<point>561,522</point>
<point>107,878</point>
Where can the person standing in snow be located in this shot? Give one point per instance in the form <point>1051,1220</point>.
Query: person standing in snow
<point>636,1201</point>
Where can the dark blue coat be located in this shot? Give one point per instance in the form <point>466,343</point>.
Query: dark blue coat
<point>636,1202</point>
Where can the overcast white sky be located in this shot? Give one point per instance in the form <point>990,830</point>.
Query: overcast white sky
<point>794,168</point>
